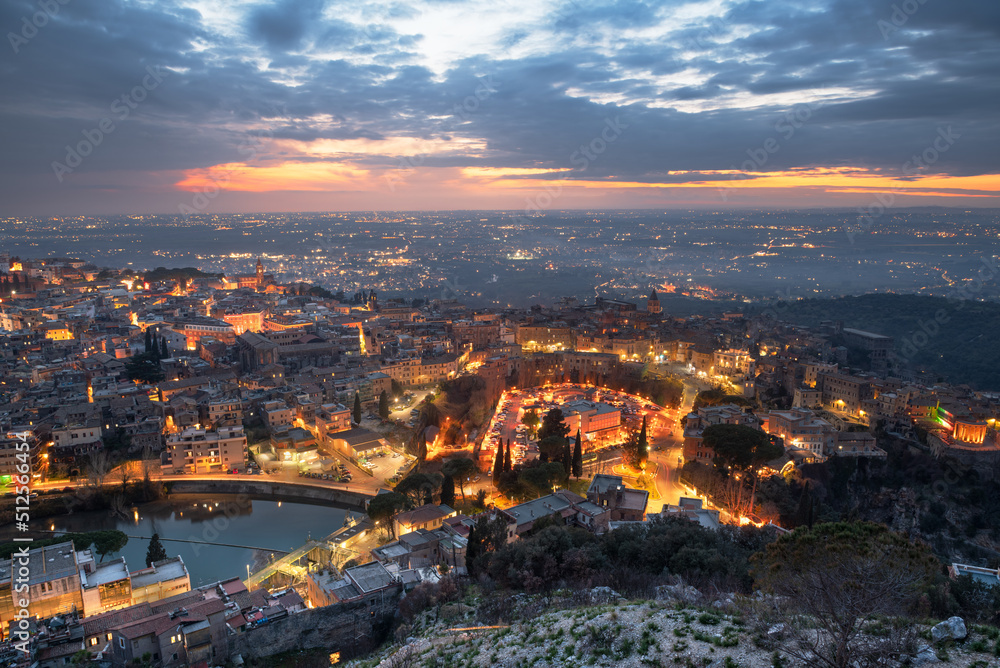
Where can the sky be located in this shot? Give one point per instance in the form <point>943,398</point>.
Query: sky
<point>209,106</point>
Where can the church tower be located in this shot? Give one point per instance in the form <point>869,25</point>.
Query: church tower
<point>260,274</point>
<point>653,303</point>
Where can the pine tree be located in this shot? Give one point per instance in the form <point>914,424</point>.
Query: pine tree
<point>155,552</point>
<point>357,408</point>
<point>578,456</point>
<point>448,492</point>
<point>428,497</point>
<point>498,461</point>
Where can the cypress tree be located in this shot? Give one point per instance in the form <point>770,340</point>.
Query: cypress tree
<point>149,340</point>
<point>578,456</point>
<point>448,492</point>
<point>498,462</point>
<point>164,351</point>
<point>508,465</point>
<point>567,458</point>
<point>422,450</point>
<point>357,407</point>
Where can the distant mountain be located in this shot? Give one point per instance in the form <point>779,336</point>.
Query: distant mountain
<point>954,340</point>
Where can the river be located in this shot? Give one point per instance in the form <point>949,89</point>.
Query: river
<point>270,525</point>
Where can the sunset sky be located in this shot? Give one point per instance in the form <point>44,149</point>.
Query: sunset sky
<point>209,106</point>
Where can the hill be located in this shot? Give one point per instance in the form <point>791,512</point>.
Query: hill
<point>953,340</point>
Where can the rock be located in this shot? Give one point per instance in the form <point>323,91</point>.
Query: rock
<point>925,655</point>
<point>681,592</point>
<point>603,595</point>
<point>777,631</point>
<point>453,610</point>
<point>725,602</point>
<point>952,628</point>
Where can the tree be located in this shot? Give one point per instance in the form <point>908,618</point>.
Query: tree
<point>487,536</point>
<point>149,340</point>
<point>164,351</point>
<point>843,576</point>
<point>543,476</point>
<point>553,425</point>
<point>530,420</point>
<point>144,367</point>
<point>578,457</point>
<point>383,508</point>
<point>634,453</point>
<point>395,388</point>
<point>422,449</point>
<point>155,551</point>
<point>448,492</point>
<point>741,448</point>
<point>357,408</point>
<point>498,462</point>
<point>550,448</point>
<point>567,458</point>
<point>508,465</point>
<point>383,405</point>
<point>416,486</point>
<point>459,469</point>
<point>108,542</point>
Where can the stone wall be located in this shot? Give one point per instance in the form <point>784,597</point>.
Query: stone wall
<point>353,629</point>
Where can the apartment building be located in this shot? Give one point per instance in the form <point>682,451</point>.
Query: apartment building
<point>200,451</point>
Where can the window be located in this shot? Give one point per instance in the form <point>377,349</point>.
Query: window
<point>121,643</point>
<point>93,641</point>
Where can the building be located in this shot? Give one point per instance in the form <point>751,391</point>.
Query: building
<point>200,451</point>
<point>256,351</point>
<point>105,586</point>
<point>598,422</point>
<point>653,303</point>
<point>53,582</point>
<point>694,510</point>
<point>18,449</point>
<point>427,517</point>
<point>562,504</point>
<point>161,580</point>
<point>624,503</point>
<point>370,583</point>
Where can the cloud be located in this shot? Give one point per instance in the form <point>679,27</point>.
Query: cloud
<point>701,86</point>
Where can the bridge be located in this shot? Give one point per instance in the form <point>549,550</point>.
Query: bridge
<point>331,551</point>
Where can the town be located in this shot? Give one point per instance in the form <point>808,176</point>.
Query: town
<point>432,421</point>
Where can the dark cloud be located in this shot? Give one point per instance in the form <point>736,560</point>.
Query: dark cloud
<point>693,97</point>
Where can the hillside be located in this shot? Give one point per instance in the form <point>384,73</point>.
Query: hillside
<point>607,631</point>
<point>952,340</point>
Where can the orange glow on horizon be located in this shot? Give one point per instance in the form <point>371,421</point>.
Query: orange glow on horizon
<point>328,176</point>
